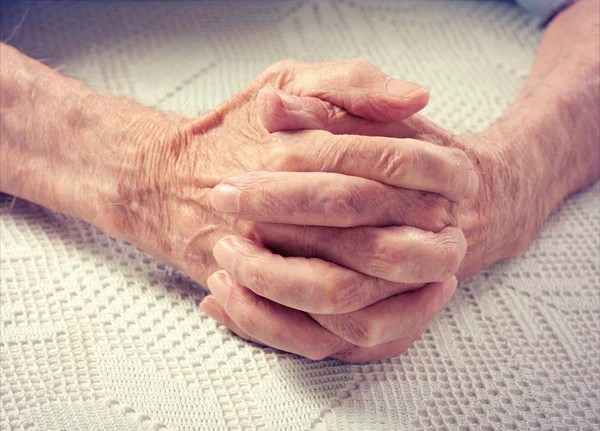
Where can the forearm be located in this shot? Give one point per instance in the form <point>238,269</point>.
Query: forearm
<point>64,145</point>
<point>543,148</point>
<point>554,125</point>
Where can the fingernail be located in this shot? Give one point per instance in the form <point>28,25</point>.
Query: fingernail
<point>403,89</point>
<point>219,288</point>
<point>226,198</point>
<point>225,255</point>
<point>449,289</point>
<point>290,102</point>
<point>213,311</point>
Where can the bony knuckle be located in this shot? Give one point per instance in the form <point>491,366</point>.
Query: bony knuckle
<point>356,69</point>
<point>360,64</point>
<point>459,157</point>
<point>336,143</point>
<point>253,273</point>
<point>284,65</point>
<point>395,164</point>
<point>336,151</point>
<point>339,295</point>
<point>250,269</point>
<point>384,258</point>
<point>330,113</point>
<point>358,331</point>
<point>344,202</point>
<point>331,294</point>
<point>349,353</point>
<point>320,349</point>
<point>280,73</point>
<point>370,105</point>
<point>439,212</point>
<point>279,157</point>
<point>242,306</point>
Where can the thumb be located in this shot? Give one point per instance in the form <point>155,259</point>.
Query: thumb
<point>361,89</point>
<point>279,111</point>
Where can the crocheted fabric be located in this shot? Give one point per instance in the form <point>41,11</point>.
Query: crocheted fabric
<point>96,335</point>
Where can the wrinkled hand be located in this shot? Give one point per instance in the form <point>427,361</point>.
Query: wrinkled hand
<point>261,295</point>
<point>340,180</point>
<point>498,178</point>
<point>491,233</point>
<point>164,204</point>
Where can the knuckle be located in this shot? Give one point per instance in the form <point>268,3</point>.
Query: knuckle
<point>330,113</point>
<point>395,164</point>
<point>339,296</point>
<point>331,297</point>
<point>438,213</point>
<point>240,308</point>
<point>280,73</point>
<point>370,105</point>
<point>350,354</point>
<point>360,63</point>
<point>280,157</point>
<point>340,142</point>
<point>449,258</point>
<point>357,68</point>
<point>253,274</point>
<point>336,151</point>
<point>343,202</point>
<point>251,270</point>
<point>360,332</point>
<point>384,258</point>
<point>249,312</point>
<point>320,349</point>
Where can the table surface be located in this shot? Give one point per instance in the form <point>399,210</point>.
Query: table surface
<point>97,335</point>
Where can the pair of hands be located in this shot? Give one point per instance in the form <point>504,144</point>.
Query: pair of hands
<point>358,197</point>
<point>334,223</point>
<point>363,226</point>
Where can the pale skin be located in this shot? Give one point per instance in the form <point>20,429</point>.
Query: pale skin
<point>355,271</point>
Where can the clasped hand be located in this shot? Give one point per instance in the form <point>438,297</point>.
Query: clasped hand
<point>352,245</point>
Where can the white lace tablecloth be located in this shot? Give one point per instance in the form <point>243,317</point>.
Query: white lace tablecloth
<point>95,335</point>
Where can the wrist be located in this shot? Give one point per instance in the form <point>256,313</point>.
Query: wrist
<point>508,209</point>
<point>136,171</point>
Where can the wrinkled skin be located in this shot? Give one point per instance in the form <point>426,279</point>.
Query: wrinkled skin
<point>367,231</point>
<point>165,206</point>
<point>257,296</point>
<point>384,209</point>
<point>400,201</point>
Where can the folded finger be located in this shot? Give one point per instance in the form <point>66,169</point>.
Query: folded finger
<point>215,311</point>
<point>280,111</point>
<point>272,323</point>
<point>307,284</point>
<point>361,89</point>
<point>344,351</point>
<point>358,354</point>
<point>407,163</point>
<point>328,199</point>
<point>392,318</point>
<point>400,254</point>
